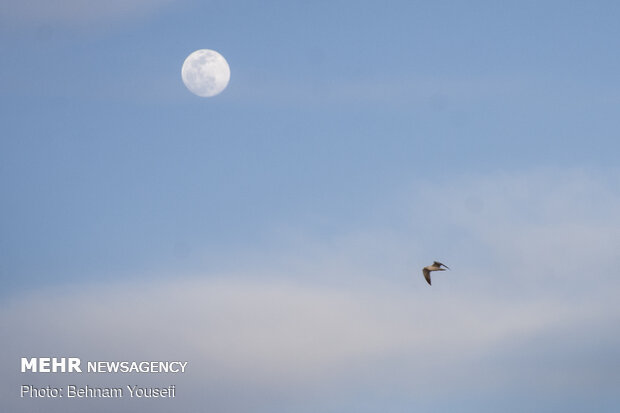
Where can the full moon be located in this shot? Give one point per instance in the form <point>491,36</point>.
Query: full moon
<point>205,73</point>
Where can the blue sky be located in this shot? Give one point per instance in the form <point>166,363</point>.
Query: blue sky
<point>355,143</point>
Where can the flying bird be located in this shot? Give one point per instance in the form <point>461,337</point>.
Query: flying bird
<point>435,267</point>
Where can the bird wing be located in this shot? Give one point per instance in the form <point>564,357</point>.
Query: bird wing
<point>427,275</point>
<point>438,264</point>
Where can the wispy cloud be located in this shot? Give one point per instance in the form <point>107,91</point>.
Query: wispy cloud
<point>522,312</point>
<point>411,90</point>
<point>283,337</point>
<point>77,12</point>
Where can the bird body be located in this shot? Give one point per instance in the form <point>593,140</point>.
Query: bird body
<point>436,266</point>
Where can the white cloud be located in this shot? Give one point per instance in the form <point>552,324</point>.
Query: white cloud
<point>283,337</point>
<point>335,326</point>
<point>278,332</point>
<point>544,226</point>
